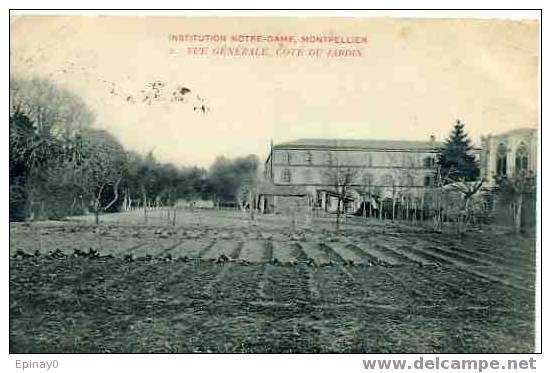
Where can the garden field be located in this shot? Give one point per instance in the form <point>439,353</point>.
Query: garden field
<point>217,282</point>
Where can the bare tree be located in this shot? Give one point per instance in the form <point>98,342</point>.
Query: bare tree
<point>391,184</point>
<point>366,186</point>
<point>406,178</point>
<point>246,195</point>
<point>467,190</point>
<point>437,195</point>
<point>452,196</point>
<point>341,179</point>
<point>101,167</point>
<point>52,110</point>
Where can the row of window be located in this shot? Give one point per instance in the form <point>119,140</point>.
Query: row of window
<point>521,159</point>
<point>306,157</point>
<point>367,179</point>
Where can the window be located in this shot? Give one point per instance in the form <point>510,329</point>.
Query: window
<point>286,176</point>
<point>408,181</point>
<point>288,158</point>
<point>501,164</point>
<point>367,180</point>
<point>368,160</point>
<point>307,175</point>
<point>388,180</point>
<point>427,181</point>
<point>428,162</point>
<point>308,157</point>
<point>521,157</point>
<point>329,158</point>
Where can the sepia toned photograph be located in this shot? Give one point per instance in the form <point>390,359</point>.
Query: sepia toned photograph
<point>273,184</point>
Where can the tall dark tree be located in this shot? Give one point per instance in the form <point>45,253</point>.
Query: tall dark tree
<point>456,161</point>
<point>21,135</point>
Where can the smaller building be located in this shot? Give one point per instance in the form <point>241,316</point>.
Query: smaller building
<point>502,155</point>
<point>283,198</point>
<point>508,152</point>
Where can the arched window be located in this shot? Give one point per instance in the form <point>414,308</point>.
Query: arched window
<point>286,176</point>
<point>521,157</point>
<point>501,163</point>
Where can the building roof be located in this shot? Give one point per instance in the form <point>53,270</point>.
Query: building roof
<point>360,144</point>
<point>517,131</point>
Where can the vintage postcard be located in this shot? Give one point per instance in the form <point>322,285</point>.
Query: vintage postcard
<point>263,184</point>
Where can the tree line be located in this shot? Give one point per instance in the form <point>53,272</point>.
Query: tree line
<point>60,165</point>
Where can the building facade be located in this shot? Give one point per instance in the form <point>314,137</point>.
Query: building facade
<point>506,153</point>
<point>385,168</point>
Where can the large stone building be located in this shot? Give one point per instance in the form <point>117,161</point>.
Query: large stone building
<point>306,171</point>
<point>384,168</point>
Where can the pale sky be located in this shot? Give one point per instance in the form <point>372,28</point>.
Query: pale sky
<point>414,78</point>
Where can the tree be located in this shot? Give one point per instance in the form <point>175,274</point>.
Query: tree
<point>455,158</point>
<point>101,166</point>
<point>53,111</point>
<point>147,181</point>
<point>23,153</point>
<point>232,179</point>
<point>130,181</point>
<point>437,196</point>
<point>44,122</point>
<point>467,190</point>
<point>169,178</point>
<point>513,189</point>
<point>341,179</point>
<point>62,166</point>
<point>458,168</point>
<point>366,186</point>
<point>406,177</point>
